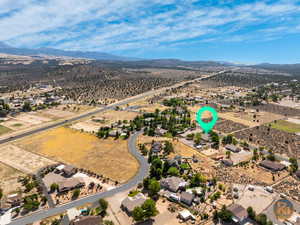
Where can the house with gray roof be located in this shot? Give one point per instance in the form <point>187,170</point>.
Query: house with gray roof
<point>172,183</point>
<point>129,203</point>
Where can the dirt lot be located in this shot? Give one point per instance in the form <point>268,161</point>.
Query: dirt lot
<point>278,109</point>
<point>250,117</point>
<point>9,176</point>
<point>107,157</point>
<point>248,175</point>
<point>22,160</point>
<point>279,141</point>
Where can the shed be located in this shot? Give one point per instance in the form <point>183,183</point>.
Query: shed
<point>273,166</point>
<point>186,215</point>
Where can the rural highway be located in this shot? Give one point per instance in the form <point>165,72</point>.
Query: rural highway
<point>103,109</point>
<point>142,173</point>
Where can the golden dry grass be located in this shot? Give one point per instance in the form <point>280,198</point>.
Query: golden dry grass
<point>108,157</point>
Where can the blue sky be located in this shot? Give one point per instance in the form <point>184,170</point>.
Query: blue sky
<point>228,30</point>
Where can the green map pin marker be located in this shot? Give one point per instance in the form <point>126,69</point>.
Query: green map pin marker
<point>207,127</point>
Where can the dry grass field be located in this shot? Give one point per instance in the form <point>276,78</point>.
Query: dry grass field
<point>112,116</point>
<point>9,176</point>
<point>107,157</point>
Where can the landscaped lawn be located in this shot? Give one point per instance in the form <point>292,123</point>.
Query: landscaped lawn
<point>284,125</point>
<point>4,130</point>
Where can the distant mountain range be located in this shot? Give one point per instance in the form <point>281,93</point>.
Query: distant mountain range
<point>4,48</point>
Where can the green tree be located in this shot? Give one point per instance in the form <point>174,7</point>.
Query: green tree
<point>108,222</point>
<point>294,165</point>
<point>1,193</point>
<point>26,107</point>
<point>54,187</point>
<point>153,187</point>
<point>173,171</point>
<point>76,193</point>
<point>225,214</point>
<point>228,154</point>
<point>197,179</point>
<point>197,138</point>
<point>138,214</point>
<point>255,155</point>
<point>103,204</point>
<point>168,147</point>
<point>149,208</point>
<point>251,213</point>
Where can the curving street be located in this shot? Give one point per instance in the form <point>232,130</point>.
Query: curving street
<point>142,173</point>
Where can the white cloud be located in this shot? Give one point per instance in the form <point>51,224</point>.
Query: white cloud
<point>87,25</point>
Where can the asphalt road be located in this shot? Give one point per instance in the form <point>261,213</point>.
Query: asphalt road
<point>142,173</point>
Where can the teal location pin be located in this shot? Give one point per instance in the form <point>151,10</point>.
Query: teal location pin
<point>207,127</point>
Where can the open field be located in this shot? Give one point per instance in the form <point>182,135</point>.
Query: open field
<point>112,116</point>
<point>286,126</point>
<point>22,160</point>
<point>228,126</point>
<point>4,130</point>
<point>280,142</point>
<point>9,176</point>
<point>251,118</point>
<point>107,157</point>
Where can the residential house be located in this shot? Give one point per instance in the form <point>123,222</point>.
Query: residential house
<point>273,166</point>
<point>173,183</point>
<point>129,203</point>
<point>69,184</point>
<point>239,213</point>
<point>160,131</point>
<point>232,148</point>
<point>297,174</point>
<point>156,147</point>
<point>14,199</point>
<point>187,198</point>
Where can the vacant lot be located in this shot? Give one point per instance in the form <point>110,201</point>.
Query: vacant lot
<point>22,160</point>
<point>286,126</point>
<point>9,176</point>
<point>4,130</point>
<point>107,157</point>
<point>251,117</point>
<point>111,116</point>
